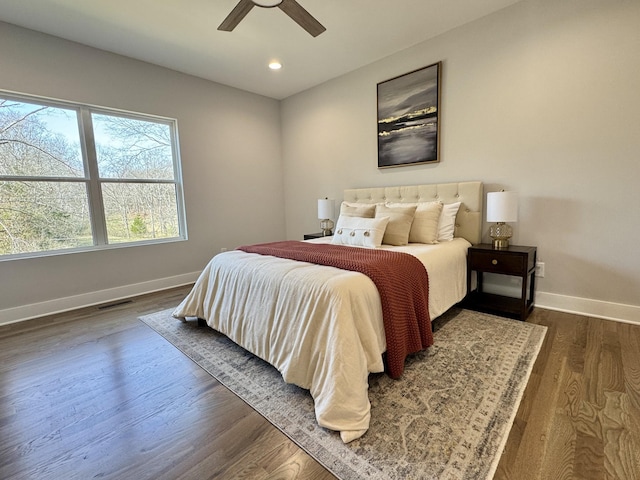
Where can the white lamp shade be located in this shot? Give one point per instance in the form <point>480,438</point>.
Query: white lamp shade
<point>325,208</point>
<point>502,207</point>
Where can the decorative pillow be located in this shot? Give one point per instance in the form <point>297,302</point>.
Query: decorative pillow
<point>359,232</point>
<point>424,228</point>
<point>448,221</point>
<point>400,219</point>
<point>364,210</point>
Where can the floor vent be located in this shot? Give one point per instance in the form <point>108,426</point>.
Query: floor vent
<point>115,304</point>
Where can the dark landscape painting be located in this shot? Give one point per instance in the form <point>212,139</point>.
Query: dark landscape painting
<point>408,118</point>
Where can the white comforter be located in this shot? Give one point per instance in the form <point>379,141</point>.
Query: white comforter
<point>321,327</point>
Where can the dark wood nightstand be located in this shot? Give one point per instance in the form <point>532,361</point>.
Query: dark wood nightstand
<point>310,236</point>
<point>517,261</point>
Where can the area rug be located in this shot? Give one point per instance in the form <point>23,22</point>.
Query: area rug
<point>447,417</point>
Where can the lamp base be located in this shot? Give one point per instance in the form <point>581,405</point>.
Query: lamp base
<point>500,233</point>
<point>327,227</point>
<point>500,243</point>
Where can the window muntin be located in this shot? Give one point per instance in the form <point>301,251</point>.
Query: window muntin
<point>78,177</point>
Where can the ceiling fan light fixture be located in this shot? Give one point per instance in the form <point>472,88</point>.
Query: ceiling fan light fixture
<point>267,3</point>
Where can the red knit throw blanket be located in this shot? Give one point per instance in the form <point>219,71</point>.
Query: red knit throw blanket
<point>402,282</point>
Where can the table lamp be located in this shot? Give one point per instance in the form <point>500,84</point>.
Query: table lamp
<point>325,213</point>
<point>502,207</point>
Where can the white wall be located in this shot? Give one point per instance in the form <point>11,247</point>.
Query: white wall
<point>541,98</point>
<point>230,148</point>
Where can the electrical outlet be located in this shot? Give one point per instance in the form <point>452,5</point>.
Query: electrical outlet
<point>223,249</point>
<point>539,269</point>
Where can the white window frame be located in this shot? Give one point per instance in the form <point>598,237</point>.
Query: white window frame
<point>92,180</point>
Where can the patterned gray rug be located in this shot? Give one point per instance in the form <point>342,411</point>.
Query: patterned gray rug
<point>448,417</point>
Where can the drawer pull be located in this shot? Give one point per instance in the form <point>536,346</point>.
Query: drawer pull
<point>494,262</point>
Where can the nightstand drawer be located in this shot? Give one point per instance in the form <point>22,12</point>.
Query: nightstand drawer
<point>502,263</point>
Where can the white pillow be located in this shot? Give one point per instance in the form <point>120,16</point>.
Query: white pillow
<point>360,232</point>
<point>365,210</point>
<point>424,228</point>
<point>447,222</point>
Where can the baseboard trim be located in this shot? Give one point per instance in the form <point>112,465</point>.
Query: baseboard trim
<point>588,307</point>
<point>60,305</point>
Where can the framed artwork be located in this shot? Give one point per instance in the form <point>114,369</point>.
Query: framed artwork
<point>408,118</point>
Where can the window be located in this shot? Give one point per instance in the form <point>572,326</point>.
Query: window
<point>81,177</point>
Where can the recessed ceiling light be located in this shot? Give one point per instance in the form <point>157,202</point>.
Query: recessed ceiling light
<point>275,65</point>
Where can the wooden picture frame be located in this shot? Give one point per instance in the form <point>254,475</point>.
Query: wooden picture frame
<point>409,118</point>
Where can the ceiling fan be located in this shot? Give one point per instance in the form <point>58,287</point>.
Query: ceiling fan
<point>292,8</point>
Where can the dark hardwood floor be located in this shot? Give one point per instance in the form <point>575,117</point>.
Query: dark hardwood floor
<point>98,394</point>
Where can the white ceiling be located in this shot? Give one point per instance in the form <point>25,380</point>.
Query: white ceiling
<point>182,34</point>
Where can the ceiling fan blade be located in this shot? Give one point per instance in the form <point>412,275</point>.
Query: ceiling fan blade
<point>237,14</point>
<point>303,18</point>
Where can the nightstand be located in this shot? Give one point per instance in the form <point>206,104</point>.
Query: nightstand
<point>515,260</point>
<point>310,236</point>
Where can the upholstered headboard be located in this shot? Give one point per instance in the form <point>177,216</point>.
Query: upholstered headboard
<point>468,220</point>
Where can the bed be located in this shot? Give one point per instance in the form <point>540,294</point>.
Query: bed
<point>321,326</point>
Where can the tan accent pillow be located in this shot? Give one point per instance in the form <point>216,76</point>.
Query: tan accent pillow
<point>424,228</point>
<point>400,219</point>
<point>359,232</point>
<point>364,210</point>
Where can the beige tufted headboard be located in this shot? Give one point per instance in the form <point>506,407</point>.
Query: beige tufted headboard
<point>468,220</point>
